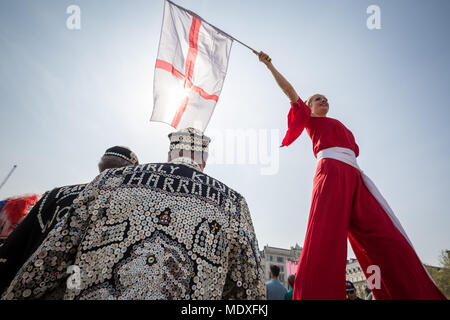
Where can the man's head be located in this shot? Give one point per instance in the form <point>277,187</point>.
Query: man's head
<point>189,143</point>
<point>318,104</point>
<point>274,271</point>
<point>117,157</point>
<point>351,291</point>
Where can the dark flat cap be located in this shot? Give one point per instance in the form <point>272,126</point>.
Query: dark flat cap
<point>124,153</point>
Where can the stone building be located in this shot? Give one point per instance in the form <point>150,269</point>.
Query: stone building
<point>354,273</point>
<point>279,257</point>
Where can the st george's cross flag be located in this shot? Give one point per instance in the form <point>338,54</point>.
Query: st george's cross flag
<point>190,69</point>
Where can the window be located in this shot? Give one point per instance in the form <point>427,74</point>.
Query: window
<point>271,258</point>
<point>280,259</point>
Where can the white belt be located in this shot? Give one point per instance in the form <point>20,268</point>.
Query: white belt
<point>348,156</point>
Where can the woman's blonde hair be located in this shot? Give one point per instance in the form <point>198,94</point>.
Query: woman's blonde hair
<point>309,100</point>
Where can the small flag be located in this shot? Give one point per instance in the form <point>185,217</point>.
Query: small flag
<point>190,69</point>
<point>291,267</point>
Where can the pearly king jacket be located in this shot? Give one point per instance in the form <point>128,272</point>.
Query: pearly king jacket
<point>153,231</point>
<point>30,233</point>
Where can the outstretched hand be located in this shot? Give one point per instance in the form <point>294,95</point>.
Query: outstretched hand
<point>263,57</point>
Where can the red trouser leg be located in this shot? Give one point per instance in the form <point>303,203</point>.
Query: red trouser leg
<point>377,241</point>
<point>321,269</point>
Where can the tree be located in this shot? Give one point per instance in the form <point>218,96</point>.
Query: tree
<point>441,276</point>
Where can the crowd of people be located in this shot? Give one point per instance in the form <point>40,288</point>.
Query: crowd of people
<point>149,231</point>
<point>275,290</point>
<point>137,231</point>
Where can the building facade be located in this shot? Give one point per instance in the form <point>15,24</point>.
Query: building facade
<point>355,274</point>
<point>279,257</point>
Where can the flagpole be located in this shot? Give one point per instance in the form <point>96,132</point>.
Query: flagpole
<point>254,51</point>
<point>197,16</point>
<point>9,174</point>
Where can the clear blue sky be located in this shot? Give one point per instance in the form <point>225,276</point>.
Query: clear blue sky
<point>67,95</point>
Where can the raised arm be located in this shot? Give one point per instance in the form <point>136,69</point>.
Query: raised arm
<point>287,88</point>
<point>299,114</point>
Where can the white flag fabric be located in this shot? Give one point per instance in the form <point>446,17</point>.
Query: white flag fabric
<point>190,69</point>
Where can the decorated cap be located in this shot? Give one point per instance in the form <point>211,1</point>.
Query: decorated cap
<point>349,286</point>
<point>124,153</point>
<point>189,139</point>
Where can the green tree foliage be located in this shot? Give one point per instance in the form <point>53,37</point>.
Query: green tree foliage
<point>441,275</point>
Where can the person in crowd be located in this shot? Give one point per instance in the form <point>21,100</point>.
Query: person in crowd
<point>153,231</point>
<point>47,212</point>
<point>275,290</point>
<point>351,291</point>
<point>288,295</point>
<point>12,212</point>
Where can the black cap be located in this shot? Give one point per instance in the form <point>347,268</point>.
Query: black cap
<point>124,153</point>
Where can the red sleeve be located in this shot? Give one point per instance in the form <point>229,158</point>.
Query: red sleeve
<point>298,117</point>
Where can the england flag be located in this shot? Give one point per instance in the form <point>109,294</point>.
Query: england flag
<point>190,69</point>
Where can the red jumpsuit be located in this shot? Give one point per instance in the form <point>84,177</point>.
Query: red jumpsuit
<point>342,207</point>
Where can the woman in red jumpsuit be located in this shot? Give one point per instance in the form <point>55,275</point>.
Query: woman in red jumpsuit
<point>346,204</point>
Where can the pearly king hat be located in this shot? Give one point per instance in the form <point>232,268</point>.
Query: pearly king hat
<point>124,153</point>
<point>189,139</point>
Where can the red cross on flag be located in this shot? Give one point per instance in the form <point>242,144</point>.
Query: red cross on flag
<point>190,69</point>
